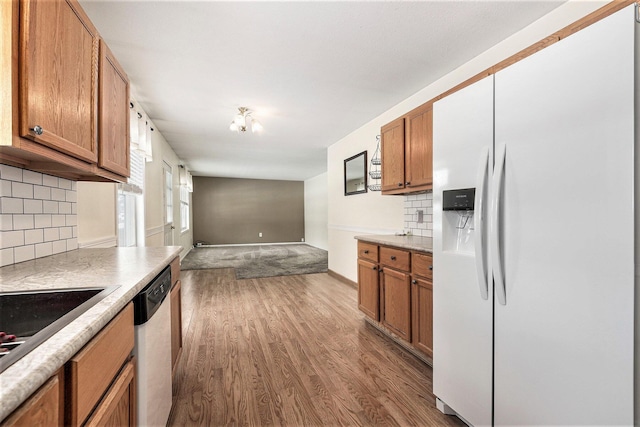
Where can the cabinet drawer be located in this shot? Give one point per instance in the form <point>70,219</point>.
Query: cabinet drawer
<point>93,368</point>
<point>368,251</point>
<point>395,258</point>
<point>422,265</point>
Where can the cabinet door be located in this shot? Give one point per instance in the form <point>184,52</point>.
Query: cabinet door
<point>392,148</point>
<point>41,409</point>
<point>58,77</point>
<point>422,316</point>
<point>368,289</point>
<point>113,142</point>
<point>118,407</point>
<point>396,302</point>
<point>176,324</point>
<point>419,147</point>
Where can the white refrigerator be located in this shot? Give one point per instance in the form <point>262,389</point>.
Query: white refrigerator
<point>533,299</point>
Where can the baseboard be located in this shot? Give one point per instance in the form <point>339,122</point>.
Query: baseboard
<point>341,278</point>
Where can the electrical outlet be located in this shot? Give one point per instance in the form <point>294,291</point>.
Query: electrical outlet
<point>259,234</point>
<point>420,216</point>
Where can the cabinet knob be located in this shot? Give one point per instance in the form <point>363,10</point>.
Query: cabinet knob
<point>431,267</point>
<point>375,268</point>
<point>367,251</point>
<point>393,258</point>
<point>414,281</point>
<point>37,130</point>
<point>399,184</point>
<point>407,183</point>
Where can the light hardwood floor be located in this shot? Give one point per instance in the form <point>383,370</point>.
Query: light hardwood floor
<point>291,351</point>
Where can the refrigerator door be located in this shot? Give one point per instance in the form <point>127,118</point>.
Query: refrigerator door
<point>462,301</point>
<point>564,339</point>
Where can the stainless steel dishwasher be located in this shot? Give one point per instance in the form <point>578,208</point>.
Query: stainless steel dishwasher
<point>152,319</point>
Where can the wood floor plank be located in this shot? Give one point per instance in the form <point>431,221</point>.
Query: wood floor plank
<point>291,351</point>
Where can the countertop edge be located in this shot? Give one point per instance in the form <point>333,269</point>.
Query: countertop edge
<point>35,368</point>
<point>414,243</point>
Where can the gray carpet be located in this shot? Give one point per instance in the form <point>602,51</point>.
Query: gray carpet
<point>259,261</point>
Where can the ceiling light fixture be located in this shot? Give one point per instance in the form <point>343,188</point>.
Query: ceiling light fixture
<point>243,120</point>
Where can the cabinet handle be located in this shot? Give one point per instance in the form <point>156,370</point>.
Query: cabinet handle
<point>399,184</point>
<point>37,130</point>
<point>393,258</point>
<point>431,267</point>
<point>414,282</point>
<point>366,252</point>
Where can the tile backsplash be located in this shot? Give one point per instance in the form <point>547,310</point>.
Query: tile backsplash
<point>38,215</point>
<point>413,205</point>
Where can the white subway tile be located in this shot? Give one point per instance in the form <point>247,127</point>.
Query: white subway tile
<point>42,221</point>
<point>24,253</point>
<point>23,222</point>
<point>71,196</point>
<point>59,246</point>
<point>64,183</point>
<point>74,185</point>
<point>6,257</point>
<point>10,239</point>
<point>51,234</point>
<point>41,192</point>
<point>58,220</point>
<point>429,211</point>
<point>74,208</point>
<point>44,249</point>
<point>31,177</point>
<point>10,205</point>
<point>58,194</point>
<point>34,236</point>
<point>72,244</point>
<point>64,207</point>
<point>50,207</point>
<point>10,173</point>
<point>32,206</point>
<point>5,188</point>
<point>24,191</point>
<point>71,220</point>
<point>75,231</point>
<point>50,181</point>
<point>66,233</point>
<point>6,222</point>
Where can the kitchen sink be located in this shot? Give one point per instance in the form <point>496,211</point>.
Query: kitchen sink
<point>34,316</point>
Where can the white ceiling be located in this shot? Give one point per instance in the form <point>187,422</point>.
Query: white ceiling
<point>312,72</point>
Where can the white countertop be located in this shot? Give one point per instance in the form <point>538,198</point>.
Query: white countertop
<point>131,269</point>
<point>415,243</point>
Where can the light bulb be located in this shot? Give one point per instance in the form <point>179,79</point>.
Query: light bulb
<point>256,126</point>
<point>233,127</point>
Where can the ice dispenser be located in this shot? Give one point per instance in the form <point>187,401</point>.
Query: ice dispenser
<point>458,232</point>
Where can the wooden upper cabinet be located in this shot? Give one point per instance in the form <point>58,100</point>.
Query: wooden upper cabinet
<point>419,147</point>
<point>113,141</point>
<point>58,85</point>
<point>392,148</point>
<point>407,152</point>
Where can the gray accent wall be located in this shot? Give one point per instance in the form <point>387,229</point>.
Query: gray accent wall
<point>235,211</point>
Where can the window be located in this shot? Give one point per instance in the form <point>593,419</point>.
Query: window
<point>131,204</point>
<point>168,194</point>
<point>127,227</point>
<point>184,208</point>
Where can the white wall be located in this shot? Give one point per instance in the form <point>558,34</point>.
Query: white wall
<point>316,211</point>
<point>373,213</point>
<point>153,196</point>
<point>97,207</point>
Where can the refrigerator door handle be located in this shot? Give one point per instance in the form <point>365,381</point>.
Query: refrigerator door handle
<point>498,179</point>
<point>481,182</point>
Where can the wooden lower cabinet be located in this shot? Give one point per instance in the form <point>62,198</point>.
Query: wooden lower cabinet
<point>96,370</point>
<point>396,302</point>
<point>422,316</point>
<point>176,325</point>
<point>117,408</point>
<point>43,408</point>
<point>368,289</point>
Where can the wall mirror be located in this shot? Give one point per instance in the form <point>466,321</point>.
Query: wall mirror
<point>355,174</point>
